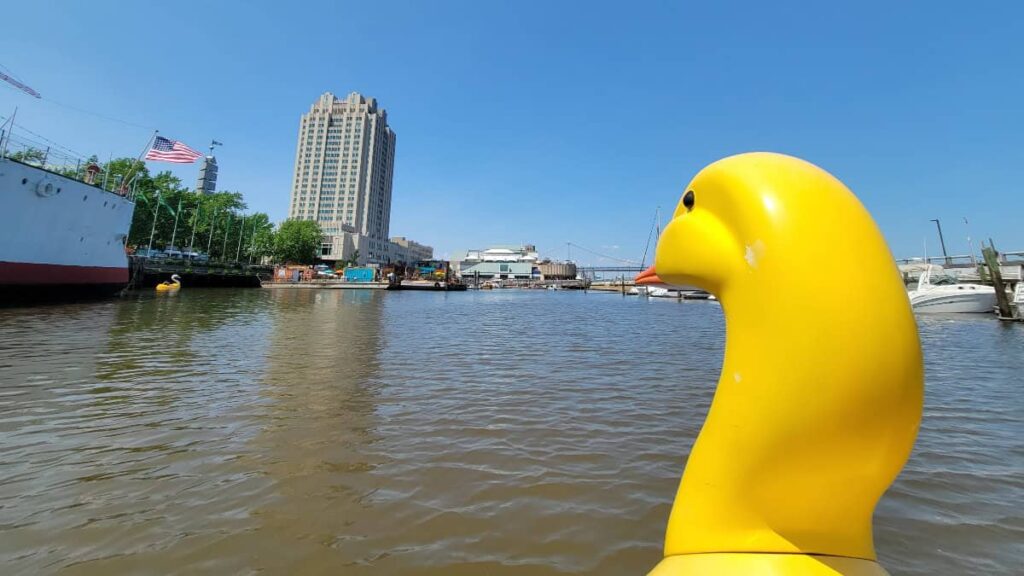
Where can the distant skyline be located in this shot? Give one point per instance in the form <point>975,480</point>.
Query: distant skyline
<point>541,123</point>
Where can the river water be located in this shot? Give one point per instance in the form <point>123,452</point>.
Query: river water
<point>494,432</point>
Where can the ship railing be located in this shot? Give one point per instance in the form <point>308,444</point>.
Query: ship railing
<point>43,154</point>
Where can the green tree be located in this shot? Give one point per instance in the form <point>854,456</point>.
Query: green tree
<point>69,171</point>
<point>78,170</point>
<point>153,195</point>
<point>259,239</point>
<point>207,223</point>
<point>29,156</point>
<point>221,225</point>
<point>235,233</point>
<point>297,241</point>
<point>353,260</point>
<point>213,221</point>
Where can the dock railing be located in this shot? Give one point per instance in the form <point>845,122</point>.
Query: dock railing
<point>963,260</point>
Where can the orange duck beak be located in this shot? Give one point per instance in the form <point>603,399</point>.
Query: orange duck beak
<point>648,276</point>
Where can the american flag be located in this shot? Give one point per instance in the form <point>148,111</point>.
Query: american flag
<point>167,150</point>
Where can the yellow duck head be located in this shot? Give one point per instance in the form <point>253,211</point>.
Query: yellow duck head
<point>821,390</point>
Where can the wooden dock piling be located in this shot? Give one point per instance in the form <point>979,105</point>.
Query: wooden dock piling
<point>1002,301</point>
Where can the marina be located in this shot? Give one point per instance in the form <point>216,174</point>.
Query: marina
<point>509,294</point>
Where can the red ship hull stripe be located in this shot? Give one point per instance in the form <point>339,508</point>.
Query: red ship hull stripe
<point>22,273</point>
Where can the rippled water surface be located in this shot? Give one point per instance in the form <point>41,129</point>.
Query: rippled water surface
<point>363,432</point>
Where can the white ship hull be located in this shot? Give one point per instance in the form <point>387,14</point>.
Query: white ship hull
<point>59,235</point>
<point>966,302</point>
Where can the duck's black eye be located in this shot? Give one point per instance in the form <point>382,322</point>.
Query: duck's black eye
<point>688,200</point>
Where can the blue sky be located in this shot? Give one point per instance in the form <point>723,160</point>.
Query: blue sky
<point>555,122</point>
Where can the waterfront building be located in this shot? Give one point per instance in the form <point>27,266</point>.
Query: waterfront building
<point>499,263</point>
<point>405,250</point>
<point>557,270</point>
<point>207,181</point>
<point>344,165</point>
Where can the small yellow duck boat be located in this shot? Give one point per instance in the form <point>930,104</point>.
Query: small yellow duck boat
<point>821,391</point>
<point>173,286</point>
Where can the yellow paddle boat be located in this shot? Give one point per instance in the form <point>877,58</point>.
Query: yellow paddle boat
<point>821,390</point>
<point>173,286</point>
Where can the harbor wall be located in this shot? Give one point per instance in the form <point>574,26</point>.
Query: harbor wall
<point>147,273</point>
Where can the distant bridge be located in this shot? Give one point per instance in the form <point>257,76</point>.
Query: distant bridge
<point>622,269</point>
<point>592,272</point>
<point>593,269</point>
<point>620,266</point>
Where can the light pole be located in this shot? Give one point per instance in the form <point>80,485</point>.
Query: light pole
<point>942,241</point>
<point>970,245</point>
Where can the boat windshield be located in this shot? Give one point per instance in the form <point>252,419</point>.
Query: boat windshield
<point>942,280</point>
<point>935,276</point>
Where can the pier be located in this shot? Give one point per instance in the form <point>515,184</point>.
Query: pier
<point>148,272</point>
<point>326,284</point>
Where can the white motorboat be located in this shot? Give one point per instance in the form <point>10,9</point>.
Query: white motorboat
<point>941,293</point>
<point>662,292</point>
<point>665,291</point>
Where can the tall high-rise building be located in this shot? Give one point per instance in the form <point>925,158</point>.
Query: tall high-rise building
<point>207,181</point>
<point>344,164</point>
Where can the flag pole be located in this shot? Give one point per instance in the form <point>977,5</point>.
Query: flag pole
<point>252,240</point>
<point>224,250</point>
<point>195,222</point>
<point>241,234</point>
<point>155,212</point>
<point>139,159</point>
<point>213,227</point>
<point>174,234</point>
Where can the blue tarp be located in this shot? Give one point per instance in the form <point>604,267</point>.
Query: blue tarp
<point>359,274</point>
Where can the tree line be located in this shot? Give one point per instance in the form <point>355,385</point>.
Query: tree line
<point>215,224</point>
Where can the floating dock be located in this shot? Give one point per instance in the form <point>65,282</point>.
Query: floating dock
<point>343,285</point>
<point>428,285</point>
<point>325,285</point>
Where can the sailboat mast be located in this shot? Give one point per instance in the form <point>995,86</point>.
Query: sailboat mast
<point>656,229</point>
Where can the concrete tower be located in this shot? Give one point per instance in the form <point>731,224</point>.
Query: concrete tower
<point>207,181</point>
